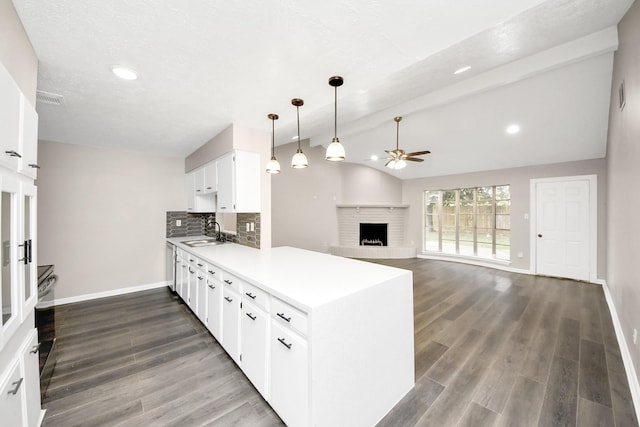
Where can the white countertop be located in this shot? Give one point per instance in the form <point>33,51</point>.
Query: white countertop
<point>306,278</point>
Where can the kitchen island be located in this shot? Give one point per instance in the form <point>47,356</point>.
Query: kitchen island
<point>327,341</point>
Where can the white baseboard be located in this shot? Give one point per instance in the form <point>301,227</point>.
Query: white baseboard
<point>630,370</point>
<point>105,294</point>
<point>473,261</point>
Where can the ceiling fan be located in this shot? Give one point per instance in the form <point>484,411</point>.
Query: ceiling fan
<point>398,157</point>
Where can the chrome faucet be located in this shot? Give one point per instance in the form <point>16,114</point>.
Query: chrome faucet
<point>219,237</point>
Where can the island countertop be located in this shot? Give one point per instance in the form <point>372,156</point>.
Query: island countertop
<point>306,278</point>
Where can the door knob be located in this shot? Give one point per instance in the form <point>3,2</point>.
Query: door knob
<point>539,235</point>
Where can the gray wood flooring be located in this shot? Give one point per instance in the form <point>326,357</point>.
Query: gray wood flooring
<point>492,349</point>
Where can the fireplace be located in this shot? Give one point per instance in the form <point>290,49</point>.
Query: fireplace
<point>373,234</point>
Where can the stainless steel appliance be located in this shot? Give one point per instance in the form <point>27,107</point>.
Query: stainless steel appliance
<point>46,324</point>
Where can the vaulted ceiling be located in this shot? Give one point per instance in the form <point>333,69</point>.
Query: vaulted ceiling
<point>202,65</point>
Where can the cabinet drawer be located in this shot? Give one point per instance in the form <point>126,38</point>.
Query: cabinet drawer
<point>214,272</point>
<point>256,295</point>
<point>289,315</point>
<point>231,281</point>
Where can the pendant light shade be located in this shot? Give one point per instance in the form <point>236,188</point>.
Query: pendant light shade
<point>299,160</point>
<point>272,165</point>
<point>335,150</point>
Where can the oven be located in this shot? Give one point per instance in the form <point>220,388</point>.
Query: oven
<point>46,324</point>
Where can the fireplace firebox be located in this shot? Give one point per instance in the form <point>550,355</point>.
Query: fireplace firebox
<point>373,234</point>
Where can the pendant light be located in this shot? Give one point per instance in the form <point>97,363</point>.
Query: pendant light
<point>335,150</point>
<point>272,165</point>
<point>299,160</point>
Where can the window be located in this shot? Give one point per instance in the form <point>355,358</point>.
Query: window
<point>469,221</point>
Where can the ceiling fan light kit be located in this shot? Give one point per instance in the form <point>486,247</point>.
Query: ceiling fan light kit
<point>398,158</point>
<point>273,166</point>
<point>335,150</point>
<point>299,160</point>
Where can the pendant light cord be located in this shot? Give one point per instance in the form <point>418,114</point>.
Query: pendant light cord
<point>298,118</point>
<point>335,110</point>
<point>273,137</point>
<point>397,135</point>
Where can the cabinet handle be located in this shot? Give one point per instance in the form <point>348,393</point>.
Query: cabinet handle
<point>282,316</point>
<point>211,286</point>
<point>25,256</point>
<point>200,277</point>
<point>209,188</point>
<point>13,154</point>
<point>183,266</point>
<point>223,207</point>
<point>17,385</point>
<point>251,316</point>
<point>211,272</point>
<point>228,299</point>
<point>191,260</point>
<point>35,348</point>
<point>191,271</point>
<point>197,191</point>
<point>200,265</point>
<point>283,342</point>
<point>33,165</point>
<point>228,282</point>
<point>250,295</point>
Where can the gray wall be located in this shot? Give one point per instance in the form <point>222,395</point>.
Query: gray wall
<point>518,179</point>
<point>623,160</point>
<point>303,201</point>
<point>102,216</point>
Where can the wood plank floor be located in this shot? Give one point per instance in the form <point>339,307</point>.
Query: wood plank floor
<point>492,349</point>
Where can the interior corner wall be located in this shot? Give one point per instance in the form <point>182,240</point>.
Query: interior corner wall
<point>303,201</point>
<point>519,181</point>
<point>16,53</point>
<point>623,158</point>
<point>102,216</point>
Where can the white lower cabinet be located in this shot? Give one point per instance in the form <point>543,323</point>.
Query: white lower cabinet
<point>289,375</point>
<point>11,395</point>
<point>201,295</point>
<point>29,361</point>
<point>20,387</point>
<point>231,322</point>
<point>214,307</point>
<point>255,324</point>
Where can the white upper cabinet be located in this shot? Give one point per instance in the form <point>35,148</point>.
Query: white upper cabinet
<point>239,182</point>
<point>197,201</point>
<point>210,178</point>
<point>28,141</point>
<point>198,183</point>
<point>9,121</point>
<point>189,191</point>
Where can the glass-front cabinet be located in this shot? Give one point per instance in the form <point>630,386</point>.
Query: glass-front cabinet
<point>27,249</point>
<point>8,250</point>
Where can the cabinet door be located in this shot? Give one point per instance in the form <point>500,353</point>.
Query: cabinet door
<point>192,297</point>
<point>11,395</point>
<point>10,123</point>
<point>30,372</point>
<point>198,181</point>
<point>289,375</point>
<point>181,278</point>
<point>28,250</point>
<point>214,308</point>
<point>210,178</point>
<point>190,191</point>
<point>201,292</point>
<point>28,142</point>
<point>9,280</point>
<point>254,345</point>
<point>231,323</point>
<point>226,183</point>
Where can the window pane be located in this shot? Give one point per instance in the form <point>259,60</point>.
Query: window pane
<point>502,192</point>
<point>431,233</point>
<point>503,244</point>
<point>485,194</point>
<point>503,222</point>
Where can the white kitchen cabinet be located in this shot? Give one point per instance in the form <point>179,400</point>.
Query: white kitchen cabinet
<point>231,322</point>
<point>201,291</point>
<point>29,362</point>
<point>255,327</point>
<point>192,296</point>
<point>197,201</point>
<point>182,265</point>
<point>210,178</point>
<point>12,395</point>
<point>28,140</point>
<point>10,278</point>
<point>27,249</point>
<point>214,306</point>
<point>238,182</point>
<point>9,120</point>
<point>289,375</point>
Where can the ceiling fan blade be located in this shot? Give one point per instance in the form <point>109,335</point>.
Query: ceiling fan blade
<point>419,153</point>
<point>413,159</point>
<point>390,160</point>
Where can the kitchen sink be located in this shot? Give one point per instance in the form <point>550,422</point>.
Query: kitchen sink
<point>201,242</point>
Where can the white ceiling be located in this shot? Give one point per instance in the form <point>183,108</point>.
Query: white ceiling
<point>203,65</point>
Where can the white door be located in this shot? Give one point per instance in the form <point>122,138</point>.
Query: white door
<point>563,228</point>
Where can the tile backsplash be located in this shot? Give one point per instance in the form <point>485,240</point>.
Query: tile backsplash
<point>194,224</point>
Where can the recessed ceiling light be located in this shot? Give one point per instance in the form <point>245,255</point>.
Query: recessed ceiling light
<point>124,72</point>
<point>374,157</point>
<point>462,70</point>
<point>513,129</point>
